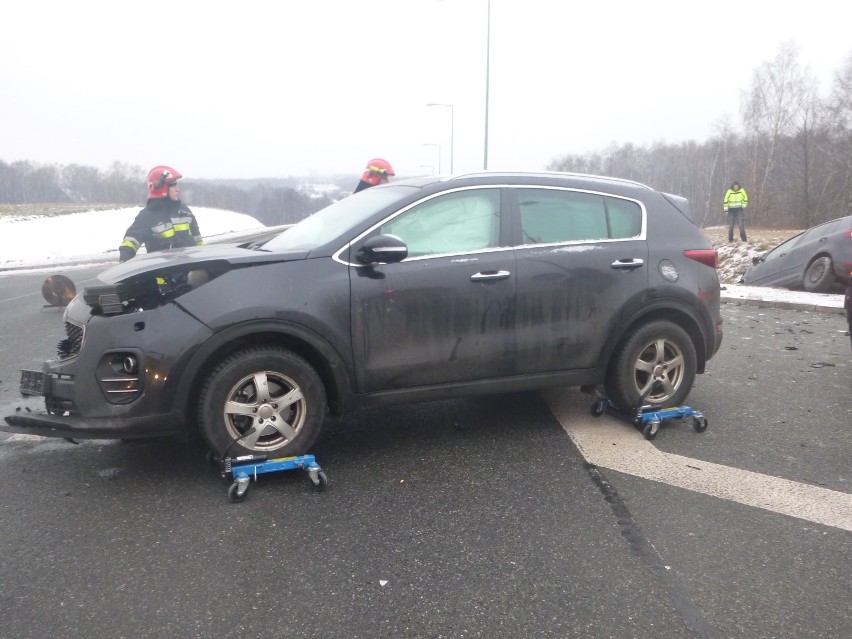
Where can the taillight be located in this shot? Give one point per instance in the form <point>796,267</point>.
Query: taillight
<point>708,257</point>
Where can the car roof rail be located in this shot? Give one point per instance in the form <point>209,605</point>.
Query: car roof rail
<point>582,176</point>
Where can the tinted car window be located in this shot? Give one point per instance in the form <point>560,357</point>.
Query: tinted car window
<point>458,222</point>
<point>554,216</point>
<point>823,229</point>
<point>625,218</point>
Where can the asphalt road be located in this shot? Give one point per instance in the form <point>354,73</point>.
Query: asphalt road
<point>468,518</point>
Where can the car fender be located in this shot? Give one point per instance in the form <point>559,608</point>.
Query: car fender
<point>333,367</point>
<point>838,268</point>
<point>678,310</point>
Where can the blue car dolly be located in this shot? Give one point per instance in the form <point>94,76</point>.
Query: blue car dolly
<point>648,419</point>
<point>243,468</point>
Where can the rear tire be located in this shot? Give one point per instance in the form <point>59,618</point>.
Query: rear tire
<point>659,351</point>
<point>262,401</point>
<point>819,276</point>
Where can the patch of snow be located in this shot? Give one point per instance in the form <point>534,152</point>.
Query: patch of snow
<point>91,236</point>
<point>734,260</point>
<point>799,299</point>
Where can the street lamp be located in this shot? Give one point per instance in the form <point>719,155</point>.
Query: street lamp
<point>439,154</point>
<point>487,80</point>
<point>452,117</point>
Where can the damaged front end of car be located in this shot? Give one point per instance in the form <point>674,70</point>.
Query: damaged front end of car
<point>149,290</point>
<point>111,376</point>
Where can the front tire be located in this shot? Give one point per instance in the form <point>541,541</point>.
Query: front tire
<point>656,360</point>
<point>262,401</point>
<point>819,276</point>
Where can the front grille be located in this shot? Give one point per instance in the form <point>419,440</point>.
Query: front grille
<point>71,345</point>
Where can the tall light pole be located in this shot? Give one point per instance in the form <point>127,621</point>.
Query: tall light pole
<point>452,117</point>
<point>487,81</point>
<point>439,154</point>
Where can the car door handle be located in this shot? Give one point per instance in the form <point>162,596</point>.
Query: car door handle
<point>627,265</point>
<point>489,275</point>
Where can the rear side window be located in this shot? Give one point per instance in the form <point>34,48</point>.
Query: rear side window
<point>550,216</point>
<point>823,230</point>
<point>820,231</point>
<point>458,222</point>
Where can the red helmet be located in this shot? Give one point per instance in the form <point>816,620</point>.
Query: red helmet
<point>377,168</point>
<point>160,178</point>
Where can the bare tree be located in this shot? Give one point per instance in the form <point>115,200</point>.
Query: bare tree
<point>781,91</point>
<point>840,133</point>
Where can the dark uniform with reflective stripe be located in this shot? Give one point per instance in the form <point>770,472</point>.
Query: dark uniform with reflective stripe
<point>162,224</point>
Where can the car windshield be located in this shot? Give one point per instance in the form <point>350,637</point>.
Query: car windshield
<point>330,222</point>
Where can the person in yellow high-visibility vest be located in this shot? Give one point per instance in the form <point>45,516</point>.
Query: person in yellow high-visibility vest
<point>735,203</point>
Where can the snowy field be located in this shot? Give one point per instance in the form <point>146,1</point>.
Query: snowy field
<point>43,241</point>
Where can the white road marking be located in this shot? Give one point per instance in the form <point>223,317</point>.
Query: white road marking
<point>609,442</point>
<point>19,297</point>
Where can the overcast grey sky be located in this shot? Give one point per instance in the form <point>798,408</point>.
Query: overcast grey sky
<point>267,89</point>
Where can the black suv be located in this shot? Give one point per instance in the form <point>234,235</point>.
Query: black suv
<point>416,290</point>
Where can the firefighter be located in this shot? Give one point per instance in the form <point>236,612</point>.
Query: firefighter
<point>165,222</point>
<point>377,172</point>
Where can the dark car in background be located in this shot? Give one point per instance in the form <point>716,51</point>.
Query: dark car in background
<point>816,260</point>
<point>416,290</point>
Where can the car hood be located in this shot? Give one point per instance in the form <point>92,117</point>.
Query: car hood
<point>195,257</point>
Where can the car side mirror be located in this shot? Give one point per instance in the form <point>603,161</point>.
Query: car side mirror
<point>384,249</point>
<point>757,259</point>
